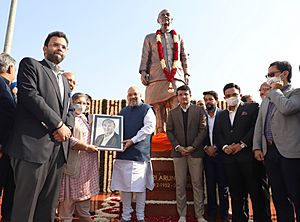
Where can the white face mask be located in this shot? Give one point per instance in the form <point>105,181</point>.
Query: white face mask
<point>274,79</point>
<point>79,108</point>
<point>232,101</point>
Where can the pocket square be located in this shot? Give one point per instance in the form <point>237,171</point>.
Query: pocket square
<point>244,113</point>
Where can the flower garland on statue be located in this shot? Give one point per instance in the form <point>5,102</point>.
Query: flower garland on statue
<point>169,75</point>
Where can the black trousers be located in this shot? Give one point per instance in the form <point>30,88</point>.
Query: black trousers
<point>243,179</point>
<point>215,175</point>
<point>284,178</point>
<point>37,188</point>
<point>7,185</point>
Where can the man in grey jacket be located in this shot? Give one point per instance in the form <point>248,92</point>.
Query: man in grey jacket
<point>277,142</point>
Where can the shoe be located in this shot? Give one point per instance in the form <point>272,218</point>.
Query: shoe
<point>122,220</point>
<point>213,219</point>
<point>201,220</point>
<point>225,219</point>
<point>92,213</point>
<point>182,219</point>
<point>141,220</point>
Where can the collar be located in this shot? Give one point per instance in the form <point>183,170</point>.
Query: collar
<point>186,108</point>
<point>215,113</point>
<point>6,80</point>
<point>286,87</point>
<point>54,67</point>
<point>235,108</point>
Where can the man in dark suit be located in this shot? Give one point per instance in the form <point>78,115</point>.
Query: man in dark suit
<point>214,162</point>
<point>186,130</point>
<point>235,132</point>
<point>40,141</point>
<point>7,116</point>
<point>110,138</point>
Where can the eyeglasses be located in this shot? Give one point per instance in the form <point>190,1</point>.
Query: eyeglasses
<point>58,45</point>
<point>272,74</point>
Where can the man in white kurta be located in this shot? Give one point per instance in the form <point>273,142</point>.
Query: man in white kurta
<point>132,171</point>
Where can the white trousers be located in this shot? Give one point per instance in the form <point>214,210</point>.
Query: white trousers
<point>127,207</point>
<point>68,207</point>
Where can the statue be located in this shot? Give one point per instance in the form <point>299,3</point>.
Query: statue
<point>163,68</point>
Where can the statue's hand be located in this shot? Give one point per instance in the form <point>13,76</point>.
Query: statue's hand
<point>186,79</point>
<point>145,78</point>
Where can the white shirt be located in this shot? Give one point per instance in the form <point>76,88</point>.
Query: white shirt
<point>186,108</point>
<point>211,122</point>
<point>232,113</point>
<point>148,128</point>
<point>58,75</point>
<point>106,139</point>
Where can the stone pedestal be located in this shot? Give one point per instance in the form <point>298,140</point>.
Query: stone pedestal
<point>162,200</point>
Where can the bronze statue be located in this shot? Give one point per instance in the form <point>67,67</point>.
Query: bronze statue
<point>163,68</point>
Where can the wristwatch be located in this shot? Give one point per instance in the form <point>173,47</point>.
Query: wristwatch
<point>242,145</point>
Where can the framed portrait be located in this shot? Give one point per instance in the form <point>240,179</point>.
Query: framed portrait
<point>107,132</point>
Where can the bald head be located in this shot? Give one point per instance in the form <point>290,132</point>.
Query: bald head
<point>165,19</point>
<point>264,89</point>
<point>71,79</point>
<point>133,96</point>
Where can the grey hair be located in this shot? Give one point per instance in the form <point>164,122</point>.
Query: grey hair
<point>78,95</point>
<point>162,12</point>
<point>5,61</point>
<point>108,121</point>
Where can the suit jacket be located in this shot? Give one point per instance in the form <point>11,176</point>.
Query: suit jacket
<point>114,141</point>
<point>214,136</point>
<point>39,111</point>
<point>7,113</point>
<point>196,126</point>
<point>285,122</point>
<point>241,130</point>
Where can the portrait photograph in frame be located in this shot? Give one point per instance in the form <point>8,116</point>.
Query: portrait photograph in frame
<point>107,132</point>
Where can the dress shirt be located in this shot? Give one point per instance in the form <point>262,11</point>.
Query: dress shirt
<point>268,129</point>
<point>211,122</point>
<point>58,74</point>
<point>106,139</point>
<point>186,108</point>
<point>232,114</point>
<point>148,128</point>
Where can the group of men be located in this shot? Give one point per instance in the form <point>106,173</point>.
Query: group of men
<point>242,143</point>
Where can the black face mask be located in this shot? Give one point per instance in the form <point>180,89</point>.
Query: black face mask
<point>210,108</point>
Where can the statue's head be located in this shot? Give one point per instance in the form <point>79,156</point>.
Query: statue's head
<point>165,20</point>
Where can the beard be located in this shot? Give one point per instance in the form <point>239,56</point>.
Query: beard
<point>55,58</point>
<point>210,107</point>
<point>133,103</point>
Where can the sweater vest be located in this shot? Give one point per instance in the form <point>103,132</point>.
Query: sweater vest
<point>133,118</point>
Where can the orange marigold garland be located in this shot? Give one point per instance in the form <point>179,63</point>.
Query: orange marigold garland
<point>169,75</point>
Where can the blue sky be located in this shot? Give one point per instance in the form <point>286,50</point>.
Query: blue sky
<point>228,40</point>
